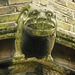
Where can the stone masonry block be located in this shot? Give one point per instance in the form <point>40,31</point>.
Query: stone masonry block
<point>74,15</point>
<point>19,7</point>
<point>65,37</point>
<point>65,42</point>
<point>43,2</point>
<point>70,21</point>
<point>7,27</point>
<point>74,28</point>
<point>66,34</point>
<point>69,0</point>
<point>60,16</point>
<point>35,1</point>
<point>7,10</point>
<point>9,17</point>
<point>7,24</point>
<point>3,2</point>
<point>71,5</point>
<point>17,1</point>
<point>64,25</point>
<point>62,2</point>
<point>62,9</point>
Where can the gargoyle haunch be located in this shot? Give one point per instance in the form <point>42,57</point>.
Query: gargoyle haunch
<point>36,32</point>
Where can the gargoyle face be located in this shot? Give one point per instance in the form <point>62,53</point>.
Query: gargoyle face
<point>38,20</point>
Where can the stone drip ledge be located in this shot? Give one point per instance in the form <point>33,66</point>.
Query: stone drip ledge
<point>64,37</point>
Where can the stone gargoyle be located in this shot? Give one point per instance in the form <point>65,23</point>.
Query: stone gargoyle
<point>35,38</point>
<point>36,32</point>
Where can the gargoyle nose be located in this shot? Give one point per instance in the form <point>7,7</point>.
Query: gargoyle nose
<point>42,15</point>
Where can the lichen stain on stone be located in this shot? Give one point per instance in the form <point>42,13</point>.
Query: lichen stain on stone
<point>31,64</point>
<point>8,17</point>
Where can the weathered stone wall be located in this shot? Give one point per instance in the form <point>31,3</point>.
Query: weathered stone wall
<point>65,12</point>
<point>64,9</point>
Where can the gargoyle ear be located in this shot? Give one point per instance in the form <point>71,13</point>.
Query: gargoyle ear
<point>24,10</point>
<point>26,7</point>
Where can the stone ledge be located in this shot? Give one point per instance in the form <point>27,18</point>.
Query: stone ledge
<point>7,10</point>
<point>64,37</point>
<point>65,25</point>
<point>7,36</point>
<point>9,17</point>
<point>61,2</point>
<point>17,1</point>
<point>7,30</point>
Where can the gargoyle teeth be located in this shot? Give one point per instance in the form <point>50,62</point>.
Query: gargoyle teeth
<point>53,21</point>
<point>40,26</point>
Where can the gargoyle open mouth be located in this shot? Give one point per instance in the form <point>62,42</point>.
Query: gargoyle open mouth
<point>40,27</point>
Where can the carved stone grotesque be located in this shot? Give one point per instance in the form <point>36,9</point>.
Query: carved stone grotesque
<point>36,32</point>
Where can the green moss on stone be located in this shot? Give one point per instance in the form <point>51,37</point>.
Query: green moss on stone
<point>65,42</point>
<point>9,17</point>
<point>7,36</point>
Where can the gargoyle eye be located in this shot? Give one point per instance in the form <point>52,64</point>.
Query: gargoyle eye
<point>34,13</point>
<point>49,14</point>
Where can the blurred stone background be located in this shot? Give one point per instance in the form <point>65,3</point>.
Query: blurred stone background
<point>64,49</point>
